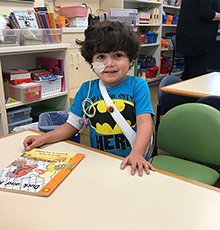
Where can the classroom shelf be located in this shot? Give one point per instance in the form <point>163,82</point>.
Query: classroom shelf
<point>24,57</point>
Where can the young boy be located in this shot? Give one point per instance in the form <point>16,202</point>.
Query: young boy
<point>113,46</point>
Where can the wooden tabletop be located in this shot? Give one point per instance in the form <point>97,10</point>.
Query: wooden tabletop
<point>97,195</point>
<point>198,87</point>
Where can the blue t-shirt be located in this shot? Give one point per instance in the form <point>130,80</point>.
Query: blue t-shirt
<point>131,97</point>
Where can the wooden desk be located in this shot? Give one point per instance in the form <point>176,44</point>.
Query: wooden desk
<point>97,195</point>
<point>205,85</point>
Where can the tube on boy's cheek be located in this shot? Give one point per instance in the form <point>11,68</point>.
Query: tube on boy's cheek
<point>98,67</point>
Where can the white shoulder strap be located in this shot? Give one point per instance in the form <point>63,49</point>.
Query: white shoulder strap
<point>119,119</point>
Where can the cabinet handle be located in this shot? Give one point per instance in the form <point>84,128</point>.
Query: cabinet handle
<point>78,58</point>
<point>72,62</point>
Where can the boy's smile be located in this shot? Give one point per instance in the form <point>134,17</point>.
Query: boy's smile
<point>116,64</point>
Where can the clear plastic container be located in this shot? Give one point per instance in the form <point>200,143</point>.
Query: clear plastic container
<point>12,125</point>
<point>9,37</point>
<point>40,36</point>
<point>24,92</point>
<point>17,114</point>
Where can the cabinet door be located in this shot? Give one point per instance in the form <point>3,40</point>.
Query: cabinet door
<point>79,70</point>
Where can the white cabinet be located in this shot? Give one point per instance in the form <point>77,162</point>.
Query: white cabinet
<point>79,70</point>
<point>24,57</point>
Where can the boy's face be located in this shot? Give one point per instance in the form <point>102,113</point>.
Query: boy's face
<point>116,64</point>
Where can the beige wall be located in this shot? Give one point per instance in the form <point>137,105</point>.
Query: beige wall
<point>6,7</point>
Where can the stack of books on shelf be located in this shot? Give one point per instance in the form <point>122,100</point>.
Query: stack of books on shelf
<point>36,26</point>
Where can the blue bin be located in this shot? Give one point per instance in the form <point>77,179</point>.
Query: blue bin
<point>150,37</point>
<point>51,120</point>
<point>164,18</point>
<point>175,19</point>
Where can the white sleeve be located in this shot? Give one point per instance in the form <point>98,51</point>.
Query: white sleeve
<point>74,120</point>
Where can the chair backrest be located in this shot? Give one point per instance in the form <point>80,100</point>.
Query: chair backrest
<point>213,101</point>
<point>176,54</point>
<point>168,101</point>
<point>191,131</point>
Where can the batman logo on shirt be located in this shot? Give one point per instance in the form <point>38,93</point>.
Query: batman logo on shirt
<point>103,122</point>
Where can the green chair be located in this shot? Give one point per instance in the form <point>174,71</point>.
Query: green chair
<point>190,131</point>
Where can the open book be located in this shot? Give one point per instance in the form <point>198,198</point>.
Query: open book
<point>38,171</point>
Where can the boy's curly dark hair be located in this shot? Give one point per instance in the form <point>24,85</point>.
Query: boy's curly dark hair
<point>109,36</point>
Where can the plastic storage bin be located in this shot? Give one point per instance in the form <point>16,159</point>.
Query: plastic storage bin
<point>164,18</point>
<point>150,37</point>
<point>175,19</point>
<point>169,19</point>
<point>74,11</point>
<point>18,114</point>
<point>49,87</point>
<point>152,72</point>
<point>52,35</point>
<point>166,65</point>
<point>51,120</point>
<point>142,38</point>
<point>25,92</point>
<point>128,16</point>
<point>12,125</point>
<point>31,36</point>
<point>39,36</point>
<point>155,37</point>
<point>9,37</point>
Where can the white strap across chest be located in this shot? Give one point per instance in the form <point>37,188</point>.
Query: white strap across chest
<point>119,119</point>
<point>129,133</point>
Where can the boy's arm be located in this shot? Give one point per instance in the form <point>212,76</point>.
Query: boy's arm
<point>63,132</point>
<point>143,136</point>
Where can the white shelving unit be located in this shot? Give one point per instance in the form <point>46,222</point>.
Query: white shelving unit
<point>170,10</point>
<point>155,48</point>
<point>150,49</point>
<point>24,57</point>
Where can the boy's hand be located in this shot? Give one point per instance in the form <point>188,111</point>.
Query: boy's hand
<point>137,161</point>
<point>33,141</point>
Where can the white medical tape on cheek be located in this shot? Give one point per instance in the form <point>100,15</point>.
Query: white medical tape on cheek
<point>98,67</point>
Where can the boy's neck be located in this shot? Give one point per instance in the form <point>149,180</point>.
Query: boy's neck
<point>113,84</point>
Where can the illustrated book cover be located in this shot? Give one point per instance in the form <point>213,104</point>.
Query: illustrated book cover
<point>26,19</point>
<point>38,172</point>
